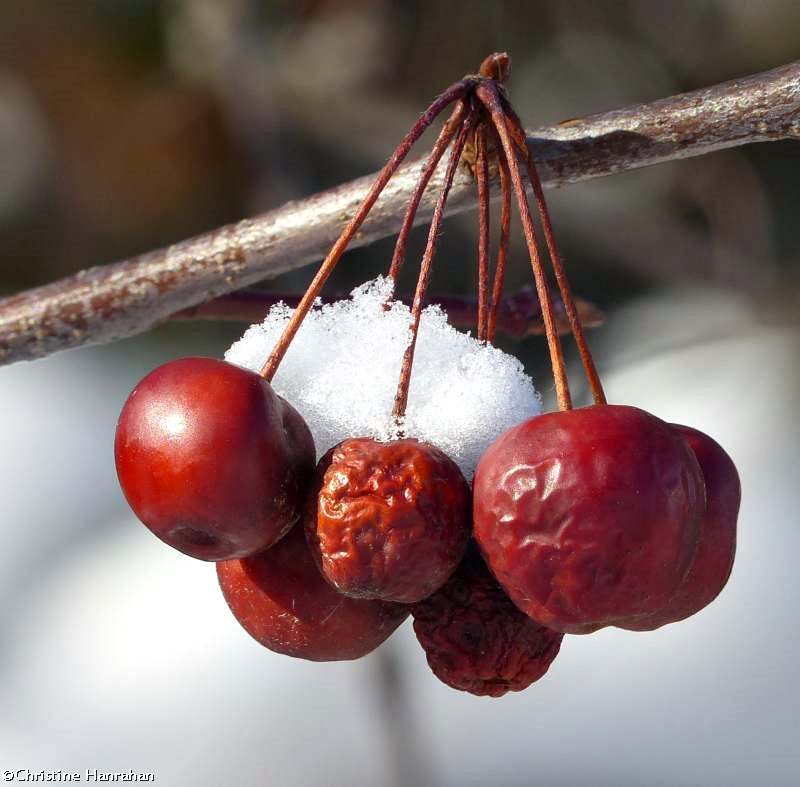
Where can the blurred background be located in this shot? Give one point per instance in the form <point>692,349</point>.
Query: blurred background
<point>129,124</point>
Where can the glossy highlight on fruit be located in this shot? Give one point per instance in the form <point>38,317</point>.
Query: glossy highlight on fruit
<point>389,520</point>
<point>716,544</point>
<point>211,459</point>
<point>476,640</point>
<point>282,601</point>
<point>589,517</point>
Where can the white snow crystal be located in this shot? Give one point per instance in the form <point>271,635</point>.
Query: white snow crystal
<point>342,369</point>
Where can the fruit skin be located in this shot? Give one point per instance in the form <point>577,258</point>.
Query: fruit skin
<point>476,640</point>
<point>716,544</point>
<point>589,517</point>
<point>388,520</point>
<point>283,602</point>
<point>211,459</point>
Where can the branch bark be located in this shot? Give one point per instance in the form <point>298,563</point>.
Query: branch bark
<point>128,297</point>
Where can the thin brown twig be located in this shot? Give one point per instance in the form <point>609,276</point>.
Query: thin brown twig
<point>446,135</point>
<point>482,176</point>
<point>452,93</point>
<point>128,297</point>
<point>505,231</point>
<point>518,315</point>
<point>401,398</point>
<point>596,387</point>
<point>489,96</point>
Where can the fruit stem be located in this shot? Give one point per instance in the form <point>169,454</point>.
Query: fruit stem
<point>401,398</point>
<point>482,176</point>
<point>502,252</point>
<point>555,258</point>
<point>454,92</point>
<point>488,94</point>
<point>440,146</point>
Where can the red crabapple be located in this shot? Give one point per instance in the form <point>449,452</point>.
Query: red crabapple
<point>283,602</point>
<point>589,517</point>
<point>391,520</point>
<point>211,459</point>
<point>716,544</point>
<point>476,640</point>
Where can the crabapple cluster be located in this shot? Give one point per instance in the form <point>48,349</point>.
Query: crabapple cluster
<point>593,517</point>
<point>221,467</point>
<point>574,520</point>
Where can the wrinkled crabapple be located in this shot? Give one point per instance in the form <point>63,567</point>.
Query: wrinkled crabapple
<point>589,517</point>
<point>716,544</point>
<point>388,520</point>
<point>283,602</point>
<point>476,640</point>
<point>211,459</point>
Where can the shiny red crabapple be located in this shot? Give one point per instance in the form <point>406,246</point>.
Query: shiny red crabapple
<point>211,459</point>
<point>283,602</point>
<point>589,517</point>
<point>476,640</point>
<point>716,544</point>
<point>389,520</point>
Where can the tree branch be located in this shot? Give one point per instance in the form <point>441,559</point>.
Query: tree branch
<point>128,297</point>
<point>518,315</point>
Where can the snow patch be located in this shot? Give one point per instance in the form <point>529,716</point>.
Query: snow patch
<point>342,369</point>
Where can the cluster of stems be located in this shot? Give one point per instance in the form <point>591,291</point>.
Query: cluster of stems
<point>484,120</point>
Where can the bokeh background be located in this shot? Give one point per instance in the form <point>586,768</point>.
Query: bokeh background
<point>128,124</point>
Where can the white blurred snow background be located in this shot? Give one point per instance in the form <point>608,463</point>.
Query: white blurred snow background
<point>119,653</point>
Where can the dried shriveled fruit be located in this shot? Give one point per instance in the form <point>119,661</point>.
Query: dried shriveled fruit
<point>282,601</point>
<point>211,459</point>
<point>716,544</point>
<point>476,640</point>
<point>388,520</point>
<point>589,517</point>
